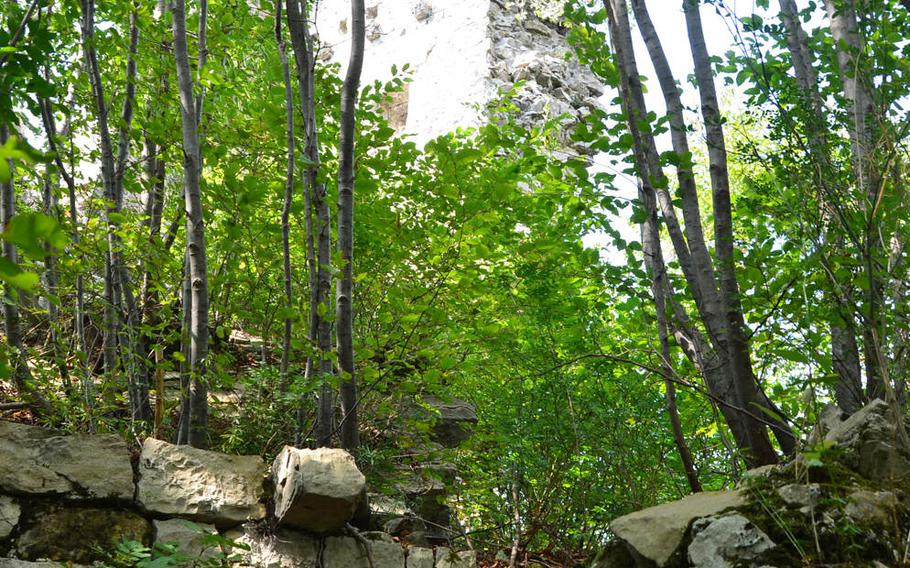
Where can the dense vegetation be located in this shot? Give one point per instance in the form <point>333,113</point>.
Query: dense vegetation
<point>770,276</point>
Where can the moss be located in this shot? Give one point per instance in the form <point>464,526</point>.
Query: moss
<point>824,534</point>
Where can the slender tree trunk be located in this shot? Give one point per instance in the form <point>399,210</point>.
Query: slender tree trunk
<point>320,231</point>
<point>288,198</point>
<point>744,379</point>
<point>195,231</point>
<point>49,199</point>
<point>21,374</point>
<point>848,391</point>
<point>711,357</point>
<point>344,288</point>
<point>50,126</point>
<point>118,289</point>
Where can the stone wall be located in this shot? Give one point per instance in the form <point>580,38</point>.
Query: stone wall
<point>71,499</point>
<point>459,55</point>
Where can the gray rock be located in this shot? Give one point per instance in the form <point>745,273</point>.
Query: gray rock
<point>656,533</point>
<point>200,485</point>
<point>614,555</point>
<point>316,490</point>
<point>419,557</point>
<point>423,11</point>
<point>455,419</point>
<point>37,461</point>
<point>79,534</point>
<point>874,509</point>
<point>727,541</point>
<point>799,494</point>
<point>447,558</point>
<point>284,549</point>
<point>350,553</point>
<point>187,536</point>
<point>870,442</point>
<point>9,515</point>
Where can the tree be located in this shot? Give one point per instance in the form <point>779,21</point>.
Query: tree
<point>319,233</point>
<point>722,357</point>
<point>344,287</point>
<point>123,341</point>
<point>197,274</point>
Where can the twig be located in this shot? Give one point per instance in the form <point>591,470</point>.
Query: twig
<point>13,406</point>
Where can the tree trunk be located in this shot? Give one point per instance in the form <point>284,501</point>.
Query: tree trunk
<point>320,231</point>
<point>288,197</point>
<point>118,289</point>
<point>710,356</point>
<point>344,288</point>
<point>50,127</point>
<point>197,435</point>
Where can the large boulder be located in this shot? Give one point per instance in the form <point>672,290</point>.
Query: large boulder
<point>870,444</point>
<point>656,534</point>
<point>37,461</point>
<point>200,485</point>
<point>727,541</point>
<point>9,515</point>
<point>316,490</point>
<point>78,534</point>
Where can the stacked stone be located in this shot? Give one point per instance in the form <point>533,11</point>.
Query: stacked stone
<point>71,499</point>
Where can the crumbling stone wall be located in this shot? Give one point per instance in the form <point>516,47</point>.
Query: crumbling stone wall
<point>71,498</point>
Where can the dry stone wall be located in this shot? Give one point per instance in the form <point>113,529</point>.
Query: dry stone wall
<point>68,500</point>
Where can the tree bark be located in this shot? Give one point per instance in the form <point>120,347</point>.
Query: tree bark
<point>118,289</point>
<point>197,435</point>
<point>319,253</point>
<point>288,197</point>
<point>344,288</point>
<point>744,380</point>
<point>848,390</point>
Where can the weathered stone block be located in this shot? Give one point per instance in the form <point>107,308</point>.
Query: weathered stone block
<point>725,542</point>
<point>200,485</point>
<point>316,490</point>
<point>447,558</point>
<point>9,515</point>
<point>37,461</point>
<point>284,549</point>
<point>350,553</point>
<point>187,536</point>
<point>79,534</point>
<point>656,533</point>
<point>419,557</point>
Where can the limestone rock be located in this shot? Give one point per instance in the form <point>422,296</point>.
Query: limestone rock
<point>447,558</point>
<point>9,515</point>
<point>37,461</point>
<point>187,536</point>
<point>874,509</point>
<point>200,485</point>
<point>284,549</point>
<point>656,533</point>
<point>799,494</point>
<point>614,555</point>
<point>419,557</point>
<point>870,443</point>
<point>454,420</point>
<point>350,553</point>
<point>316,490</point>
<point>79,534</point>
<point>726,542</point>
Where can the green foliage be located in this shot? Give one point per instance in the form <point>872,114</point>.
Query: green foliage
<point>214,551</point>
